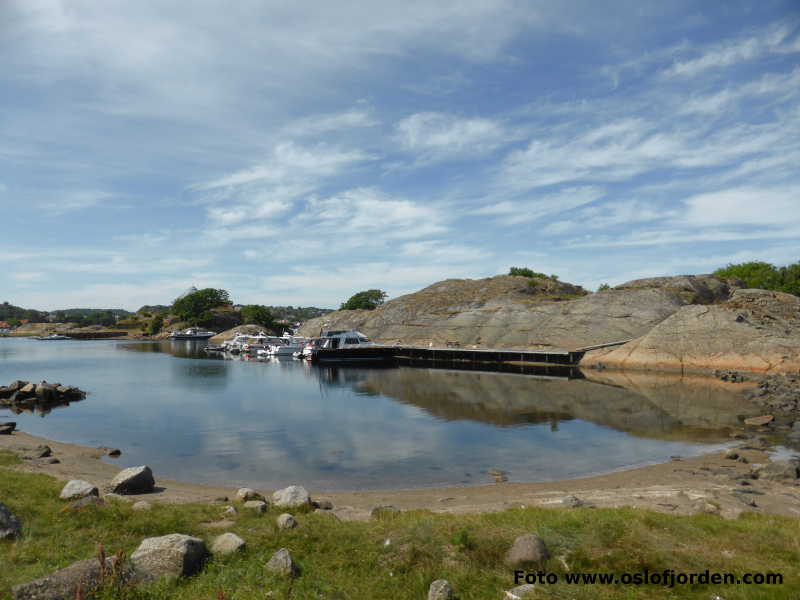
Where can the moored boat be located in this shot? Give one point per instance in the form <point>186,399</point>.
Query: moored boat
<point>349,346</point>
<point>52,336</point>
<point>192,333</point>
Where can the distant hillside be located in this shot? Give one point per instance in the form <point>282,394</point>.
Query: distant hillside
<point>73,312</point>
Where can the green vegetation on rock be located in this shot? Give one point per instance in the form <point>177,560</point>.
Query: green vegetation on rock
<point>366,300</point>
<point>195,307</point>
<point>258,314</point>
<point>765,276</point>
<point>526,272</point>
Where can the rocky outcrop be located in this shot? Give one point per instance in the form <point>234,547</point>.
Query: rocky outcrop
<point>755,330</point>
<point>506,312</point>
<point>77,489</point>
<point>42,397</point>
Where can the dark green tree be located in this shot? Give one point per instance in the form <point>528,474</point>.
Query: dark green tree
<point>766,276</point>
<point>526,272</point>
<point>196,307</point>
<point>155,325</point>
<point>368,300</point>
<point>258,315</point>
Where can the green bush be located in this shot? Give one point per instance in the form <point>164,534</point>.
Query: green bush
<point>526,272</point>
<point>196,307</point>
<point>765,276</point>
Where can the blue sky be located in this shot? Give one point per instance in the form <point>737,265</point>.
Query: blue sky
<point>296,153</point>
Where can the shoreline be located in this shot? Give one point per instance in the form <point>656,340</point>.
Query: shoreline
<point>680,486</point>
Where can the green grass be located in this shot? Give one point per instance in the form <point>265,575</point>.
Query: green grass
<point>352,561</point>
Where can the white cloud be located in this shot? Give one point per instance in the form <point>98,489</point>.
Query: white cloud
<point>537,207</point>
<point>745,206</point>
<point>438,135</point>
<point>319,124</point>
<point>77,200</point>
<point>733,52</point>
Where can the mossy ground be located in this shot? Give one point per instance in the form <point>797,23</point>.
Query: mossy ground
<point>353,561</point>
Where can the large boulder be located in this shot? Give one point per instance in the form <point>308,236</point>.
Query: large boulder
<point>76,489</point>
<point>134,480</point>
<point>755,330</point>
<point>64,584</point>
<point>282,564</point>
<point>440,590</point>
<point>227,543</point>
<point>527,548</point>
<point>172,555</point>
<point>291,497</point>
<point>10,525</point>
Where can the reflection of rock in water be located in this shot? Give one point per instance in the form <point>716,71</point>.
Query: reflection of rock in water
<point>685,412</point>
<point>24,396</point>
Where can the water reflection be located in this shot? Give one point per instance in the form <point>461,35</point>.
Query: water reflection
<point>276,422</point>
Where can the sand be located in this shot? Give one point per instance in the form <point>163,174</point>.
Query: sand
<point>681,486</point>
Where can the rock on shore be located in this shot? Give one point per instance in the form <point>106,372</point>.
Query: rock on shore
<point>755,330</point>
<point>506,312</point>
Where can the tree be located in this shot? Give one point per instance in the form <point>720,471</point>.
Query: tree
<point>258,315</point>
<point>367,300</point>
<point>196,307</point>
<point>155,325</point>
<point>765,276</point>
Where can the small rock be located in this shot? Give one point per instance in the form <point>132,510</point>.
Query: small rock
<point>291,497</point>
<point>383,511</point>
<point>440,590</point>
<point>134,480</point>
<point>286,521</point>
<point>282,564</point>
<point>86,501</point>
<point>6,429</point>
<point>759,421</point>
<point>117,497</point>
<point>731,454</point>
<point>324,504</point>
<point>141,505</point>
<point>52,461</point>
<point>78,489</point>
<point>227,543</point>
<point>230,510</point>
<point>42,451</point>
<point>173,554</point>
<point>114,452</point>
<point>521,592</point>
<point>572,502</point>
<point>742,460</point>
<point>527,548</point>
<point>257,505</point>
<point>778,470</point>
<point>10,525</point>
<point>245,494</point>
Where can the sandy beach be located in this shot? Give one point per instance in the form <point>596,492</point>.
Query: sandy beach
<point>708,483</point>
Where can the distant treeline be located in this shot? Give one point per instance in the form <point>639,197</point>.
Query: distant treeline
<point>765,276</point>
<point>13,315</point>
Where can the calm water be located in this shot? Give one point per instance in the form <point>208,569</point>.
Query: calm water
<point>270,424</point>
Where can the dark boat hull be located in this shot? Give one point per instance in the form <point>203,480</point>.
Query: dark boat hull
<point>369,354</point>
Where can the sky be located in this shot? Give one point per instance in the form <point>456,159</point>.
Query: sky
<point>297,153</point>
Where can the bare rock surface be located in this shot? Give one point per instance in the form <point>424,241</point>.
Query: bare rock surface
<point>174,554</point>
<point>755,330</point>
<point>506,312</point>
<point>134,480</point>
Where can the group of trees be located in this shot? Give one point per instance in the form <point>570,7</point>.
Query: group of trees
<point>526,272</point>
<point>765,276</point>
<point>366,300</point>
<point>14,315</point>
<point>196,307</point>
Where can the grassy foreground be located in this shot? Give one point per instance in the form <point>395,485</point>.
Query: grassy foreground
<point>353,561</point>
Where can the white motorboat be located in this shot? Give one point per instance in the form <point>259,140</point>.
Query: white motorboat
<point>52,336</point>
<point>287,345</point>
<point>193,333</point>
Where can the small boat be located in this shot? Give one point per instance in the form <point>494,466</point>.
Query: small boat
<point>349,346</point>
<point>287,345</point>
<point>52,336</point>
<point>193,333</point>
